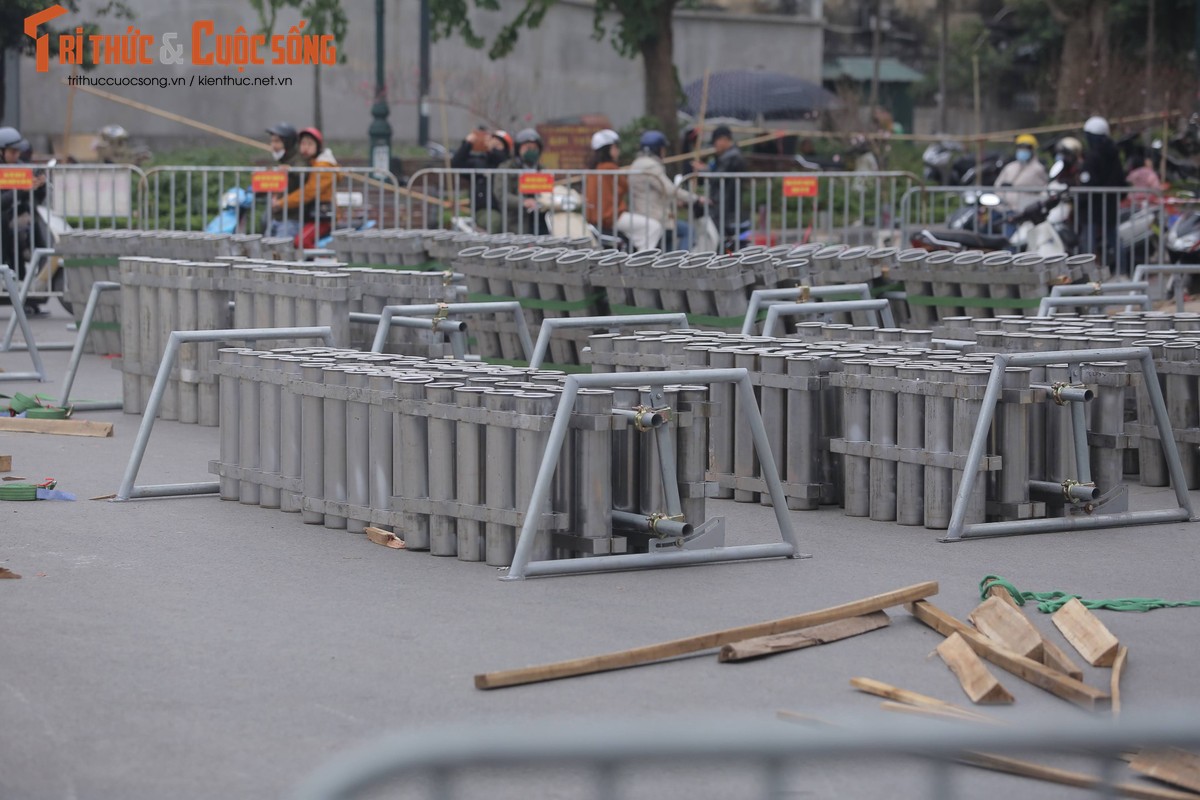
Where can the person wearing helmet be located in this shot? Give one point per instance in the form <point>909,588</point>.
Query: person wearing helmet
<point>310,204</point>
<point>483,150</point>
<point>21,227</point>
<point>724,190</point>
<point>1098,213</point>
<point>522,210</point>
<point>606,199</point>
<point>653,195</point>
<point>1024,172</point>
<point>283,142</point>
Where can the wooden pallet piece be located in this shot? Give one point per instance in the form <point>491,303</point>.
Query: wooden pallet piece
<point>1086,633</point>
<point>806,637</point>
<point>979,684</point>
<point>1053,656</point>
<point>1172,765</point>
<point>1007,626</point>
<point>1027,669</point>
<point>58,427</point>
<point>1114,686</point>
<point>705,641</point>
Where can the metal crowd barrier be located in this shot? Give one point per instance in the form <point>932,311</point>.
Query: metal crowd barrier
<point>189,198</point>
<point>778,207</point>
<point>771,759</point>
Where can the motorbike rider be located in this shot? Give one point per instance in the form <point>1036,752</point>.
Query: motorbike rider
<point>724,190</point>
<point>112,146</point>
<point>483,150</point>
<point>1025,171</point>
<point>310,204</point>
<point>284,140</point>
<point>652,194</point>
<point>1099,214</point>
<point>522,210</point>
<point>21,228</point>
<point>606,199</point>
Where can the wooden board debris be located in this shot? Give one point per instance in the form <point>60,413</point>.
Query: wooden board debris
<point>889,692</point>
<point>1114,686</point>
<point>8,574</point>
<point>1171,765</point>
<point>1053,656</point>
<point>58,427</point>
<point>5,463</point>
<point>385,538</point>
<point>1028,769</point>
<point>806,637</point>
<point>1007,626</point>
<point>1086,633</point>
<point>979,684</point>
<point>705,641</point>
<point>1027,669</point>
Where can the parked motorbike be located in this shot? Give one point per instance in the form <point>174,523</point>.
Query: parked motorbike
<point>237,205</point>
<point>1183,239</point>
<point>946,164</point>
<point>1031,229</point>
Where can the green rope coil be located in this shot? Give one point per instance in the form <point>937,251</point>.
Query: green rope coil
<point>1049,602</point>
<point>18,491</point>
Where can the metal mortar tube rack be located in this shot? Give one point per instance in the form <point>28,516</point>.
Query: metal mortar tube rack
<point>358,450</point>
<point>910,435</point>
<point>499,488</point>
<point>131,340</point>
<point>883,480</point>
<point>745,464</point>
<point>1143,271</point>
<point>804,424</point>
<point>773,407</point>
<point>939,434</point>
<point>525,565</point>
<point>291,431</point>
<point>18,314</point>
<point>692,453</point>
<point>611,323</point>
<point>626,470</point>
<point>381,435</point>
<point>313,441</point>
<point>721,429</point>
<point>801,294</point>
<point>881,308</point>
<point>959,530</point>
<point>533,444</point>
<point>471,464</point>
<point>966,410</point>
<point>231,419</point>
<point>591,501</point>
<point>1182,404</point>
<point>441,310</point>
<point>410,474</point>
<point>333,431</point>
<point>856,421</point>
<point>1010,485</point>
<point>270,395</point>
<point>1048,304</point>
<point>454,330</point>
<point>443,536</point>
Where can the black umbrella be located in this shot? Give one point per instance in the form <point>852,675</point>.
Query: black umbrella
<point>750,94</point>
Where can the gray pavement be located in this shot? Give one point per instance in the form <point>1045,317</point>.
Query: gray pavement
<point>194,648</point>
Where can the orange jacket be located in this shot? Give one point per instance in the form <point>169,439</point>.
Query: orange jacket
<point>316,189</point>
<point>603,207</point>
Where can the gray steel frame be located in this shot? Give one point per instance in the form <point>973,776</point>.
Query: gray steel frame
<point>766,297</point>
<point>129,491</point>
<point>551,324</point>
<point>454,330</point>
<point>1142,271</point>
<point>85,326</point>
<point>522,567</point>
<point>508,306</point>
<point>14,294</point>
<point>38,255</point>
<point>1049,304</point>
<point>609,746</point>
<point>881,307</point>
<point>959,530</point>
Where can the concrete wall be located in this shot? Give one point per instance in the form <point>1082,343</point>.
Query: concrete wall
<point>557,70</point>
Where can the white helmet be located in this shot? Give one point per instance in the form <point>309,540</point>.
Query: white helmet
<point>1096,125</point>
<point>604,138</point>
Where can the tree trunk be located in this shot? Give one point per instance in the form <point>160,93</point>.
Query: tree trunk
<point>3,80</point>
<point>1083,71</point>
<point>658,65</point>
